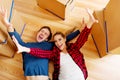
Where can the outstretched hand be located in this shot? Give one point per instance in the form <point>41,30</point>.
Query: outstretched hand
<point>3,17</point>
<point>20,47</point>
<point>3,13</point>
<point>92,19</point>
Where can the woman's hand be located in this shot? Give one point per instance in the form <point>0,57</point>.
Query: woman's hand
<point>20,47</point>
<point>92,19</point>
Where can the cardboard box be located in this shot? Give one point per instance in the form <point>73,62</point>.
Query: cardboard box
<point>60,8</point>
<point>98,34</point>
<point>106,32</point>
<point>112,17</point>
<point>7,47</point>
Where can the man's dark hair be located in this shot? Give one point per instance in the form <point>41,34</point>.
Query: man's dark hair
<point>47,27</point>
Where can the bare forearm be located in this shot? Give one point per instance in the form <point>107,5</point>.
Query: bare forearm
<point>8,25</point>
<point>4,20</point>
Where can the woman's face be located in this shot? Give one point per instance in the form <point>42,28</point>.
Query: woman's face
<point>60,42</point>
<point>43,35</point>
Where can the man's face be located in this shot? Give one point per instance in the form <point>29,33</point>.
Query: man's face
<point>43,35</point>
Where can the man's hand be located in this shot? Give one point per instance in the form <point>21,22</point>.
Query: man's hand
<point>3,18</point>
<point>20,47</point>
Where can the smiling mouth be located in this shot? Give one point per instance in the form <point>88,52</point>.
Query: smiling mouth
<point>60,46</point>
<point>40,37</point>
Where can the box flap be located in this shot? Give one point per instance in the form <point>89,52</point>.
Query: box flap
<point>64,1</point>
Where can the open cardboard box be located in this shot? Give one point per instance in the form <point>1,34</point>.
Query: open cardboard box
<point>112,17</point>
<point>60,8</point>
<point>106,32</point>
<point>7,47</point>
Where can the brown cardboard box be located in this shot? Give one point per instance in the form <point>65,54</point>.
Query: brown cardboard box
<point>98,33</point>
<point>60,8</point>
<point>5,41</point>
<point>7,47</point>
<point>112,19</point>
<point>106,32</point>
